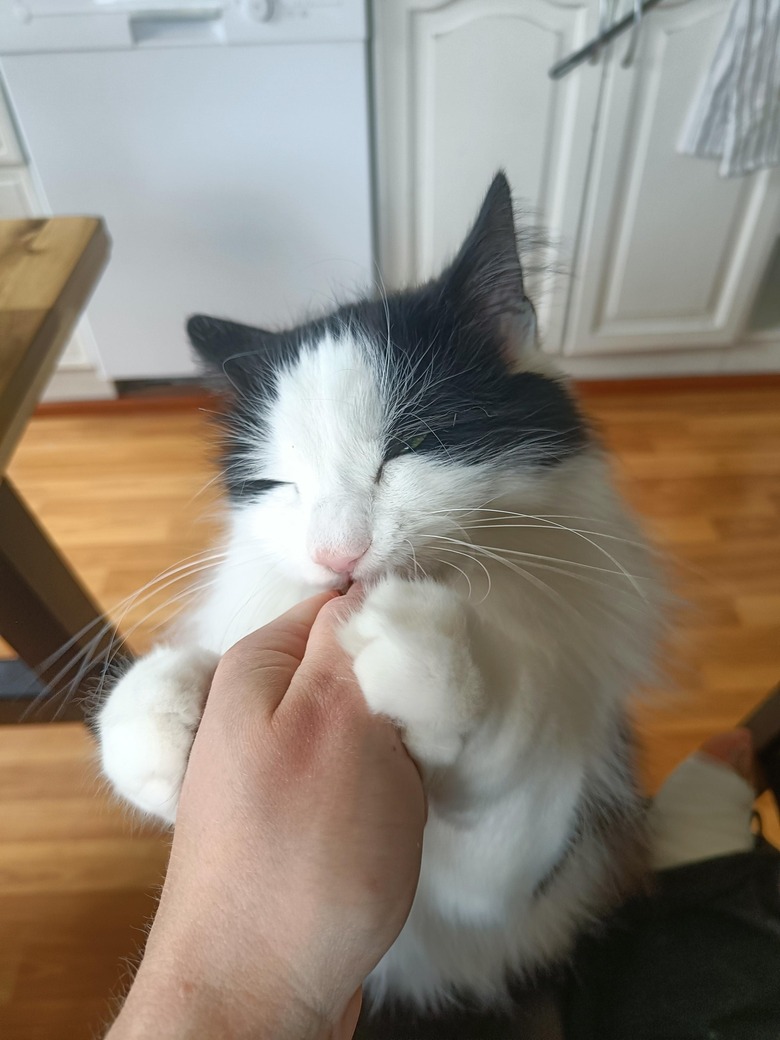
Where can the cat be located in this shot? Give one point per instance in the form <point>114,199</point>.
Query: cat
<point>420,444</point>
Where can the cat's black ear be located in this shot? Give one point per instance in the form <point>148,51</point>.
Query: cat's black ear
<point>485,280</point>
<point>237,352</point>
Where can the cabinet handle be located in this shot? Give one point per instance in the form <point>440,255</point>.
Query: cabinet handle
<point>182,25</point>
<point>566,65</point>
<point>605,13</point>
<point>260,10</point>
<point>636,26</point>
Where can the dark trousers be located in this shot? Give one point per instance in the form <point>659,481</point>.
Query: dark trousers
<point>698,959</point>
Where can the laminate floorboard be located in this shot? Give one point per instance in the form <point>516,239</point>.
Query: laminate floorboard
<point>128,495</point>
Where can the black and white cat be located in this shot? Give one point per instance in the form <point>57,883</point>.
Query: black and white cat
<point>418,444</point>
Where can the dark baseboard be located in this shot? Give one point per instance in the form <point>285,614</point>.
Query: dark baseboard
<point>184,395</point>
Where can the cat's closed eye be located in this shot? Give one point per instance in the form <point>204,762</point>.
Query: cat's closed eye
<point>247,488</point>
<point>405,446</point>
<point>414,443</point>
<point>398,448</point>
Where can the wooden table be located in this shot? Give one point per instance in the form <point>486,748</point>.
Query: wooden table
<point>48,269</point>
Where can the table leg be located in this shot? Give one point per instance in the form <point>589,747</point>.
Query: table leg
<point>43,606</point>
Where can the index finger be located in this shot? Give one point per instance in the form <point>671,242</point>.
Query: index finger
<point>262,664</point>
<point>326,668</point>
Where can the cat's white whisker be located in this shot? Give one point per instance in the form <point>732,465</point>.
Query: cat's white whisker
<point>209,484</point>
<point>113,610</point>
<point>86,654</point>
<point>535,581</point>
<point>560,560</point>
<point>562,569</point>
<point>449,563</point>
<point>473,559</point>
<point>500,525</point>
<point>417,566</point>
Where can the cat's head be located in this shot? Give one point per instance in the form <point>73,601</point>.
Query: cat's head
<point>357,442</point>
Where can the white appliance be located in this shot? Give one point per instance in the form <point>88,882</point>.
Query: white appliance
<point>225,143</point>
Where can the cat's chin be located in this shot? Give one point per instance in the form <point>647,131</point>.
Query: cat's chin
<point>370,576</point>
<point>366,577</point>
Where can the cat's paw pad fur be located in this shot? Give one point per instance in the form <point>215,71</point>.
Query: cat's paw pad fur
<point>410,645</point>
<point>147,725</point>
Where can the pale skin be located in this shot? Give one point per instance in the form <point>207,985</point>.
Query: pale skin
<point>296,852</point>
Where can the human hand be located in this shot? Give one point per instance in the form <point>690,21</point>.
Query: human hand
<point>296,851</point>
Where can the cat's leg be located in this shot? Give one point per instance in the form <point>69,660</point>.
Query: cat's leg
<point>411,647</point>
<point>148,722</point>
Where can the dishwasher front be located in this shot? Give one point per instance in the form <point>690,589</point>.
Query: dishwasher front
<point>225,143</point>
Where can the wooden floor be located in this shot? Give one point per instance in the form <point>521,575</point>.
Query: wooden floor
<point>123,496</point>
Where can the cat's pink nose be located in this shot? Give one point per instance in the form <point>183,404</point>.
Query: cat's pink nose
<point>340,562</point>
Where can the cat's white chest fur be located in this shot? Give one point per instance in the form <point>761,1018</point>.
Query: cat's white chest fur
<point>508,700</point>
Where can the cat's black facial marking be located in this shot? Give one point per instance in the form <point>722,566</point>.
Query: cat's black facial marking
<point>452,354</point>
<point>466,336</point>
<point>523,417</point>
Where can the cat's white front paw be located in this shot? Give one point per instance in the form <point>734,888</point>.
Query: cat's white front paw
<point>147,725</point>
<point>410,644</point>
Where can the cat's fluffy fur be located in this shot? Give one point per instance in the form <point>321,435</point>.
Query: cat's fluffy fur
<point>511,605</point>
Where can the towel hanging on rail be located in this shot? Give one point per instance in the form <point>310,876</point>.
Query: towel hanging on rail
<point>736,115</point>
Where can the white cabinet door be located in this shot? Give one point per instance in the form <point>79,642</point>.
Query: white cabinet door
<point>10,153</point>
<point>17,195</point>
<point>671,254</point>
<point>461,91</point>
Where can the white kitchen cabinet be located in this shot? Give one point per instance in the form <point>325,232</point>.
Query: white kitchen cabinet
<point>17,195</point>
<point>657,259</point>
<point>461,90</point>
<point>10,152</point>
<point>671,254</point>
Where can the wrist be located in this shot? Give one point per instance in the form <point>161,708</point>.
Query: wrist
<point>176,1003</point>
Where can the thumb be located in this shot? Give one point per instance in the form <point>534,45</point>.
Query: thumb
<point>325,661</point>
<point>262,664</point>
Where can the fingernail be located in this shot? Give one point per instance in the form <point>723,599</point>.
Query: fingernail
<point>341,607</point>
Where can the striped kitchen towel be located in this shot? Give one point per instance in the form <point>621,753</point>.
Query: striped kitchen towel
<point>736,115</point>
